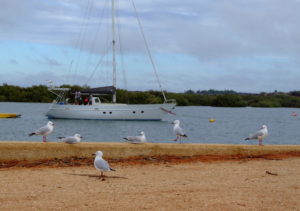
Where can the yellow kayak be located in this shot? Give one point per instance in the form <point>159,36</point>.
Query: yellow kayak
<point>6,115</point>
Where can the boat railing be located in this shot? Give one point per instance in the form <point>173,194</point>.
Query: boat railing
<point>59,92</point>
<point>58,89</point>
<point>170,101</point>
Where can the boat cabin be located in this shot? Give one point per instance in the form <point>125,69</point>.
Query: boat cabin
<point>96,101</point>
<point>91,96</point>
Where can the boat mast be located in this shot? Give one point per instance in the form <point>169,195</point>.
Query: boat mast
<point>114,50</point>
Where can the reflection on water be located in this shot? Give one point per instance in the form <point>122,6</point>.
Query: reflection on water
<point>231,125</point>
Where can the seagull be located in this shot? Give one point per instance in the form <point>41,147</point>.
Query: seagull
<point>71,139</point>
<point>100,164</point>
<point>259,135</point>
<point>44,131</point>
<point>137,139</point>
<point>178,131</point>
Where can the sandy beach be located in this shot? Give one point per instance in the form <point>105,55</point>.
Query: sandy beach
<point>243,184</point>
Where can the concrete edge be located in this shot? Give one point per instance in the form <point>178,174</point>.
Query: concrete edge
<point>33,151</point>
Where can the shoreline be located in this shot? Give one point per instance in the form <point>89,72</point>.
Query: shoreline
<point>30,154</point>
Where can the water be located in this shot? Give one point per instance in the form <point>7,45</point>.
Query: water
<point>232,125</point>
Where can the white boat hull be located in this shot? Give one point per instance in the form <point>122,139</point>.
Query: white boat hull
<point>110,111</point>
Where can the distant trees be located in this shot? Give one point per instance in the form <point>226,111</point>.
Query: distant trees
<point>227,98</point>
<point>295,93</point>
<point>31,94</point>
<point>215,92</point>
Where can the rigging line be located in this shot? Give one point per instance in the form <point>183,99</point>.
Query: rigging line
<point>100,62</point>
<point>106,61</point>
<point>109,44</point>
<point>83,35</point>
<point>148,51</point>
<point>114,96</point>
<point>94,42</point>
<point>77,43</point>
<point>69,70</point>
<point>121,48</point>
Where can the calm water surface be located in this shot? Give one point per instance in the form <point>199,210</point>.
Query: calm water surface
<point>232,125</point>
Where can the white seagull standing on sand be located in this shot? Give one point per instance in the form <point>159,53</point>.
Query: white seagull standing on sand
<point>136,139</point>
<point>259,135</point>
<point>71,139</point>
<point>178,131</point>
<point>44,131</point>
<point>100,164</point>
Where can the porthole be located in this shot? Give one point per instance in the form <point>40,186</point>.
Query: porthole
<point>133,112</point>
<point>142,112</point>
<point>110,112</point>
<point>104,112</point>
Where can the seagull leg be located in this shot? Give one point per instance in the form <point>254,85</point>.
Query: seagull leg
<point>180,140</point>
<point>260,141</point>
<point>102,176</point>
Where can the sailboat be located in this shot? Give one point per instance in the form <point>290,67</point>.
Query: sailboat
<point>97,110</point>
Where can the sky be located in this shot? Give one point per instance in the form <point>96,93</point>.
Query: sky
<point>246,46</point>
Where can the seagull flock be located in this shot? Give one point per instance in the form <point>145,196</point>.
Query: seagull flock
<point>102,165</point>
<point>141,138</point>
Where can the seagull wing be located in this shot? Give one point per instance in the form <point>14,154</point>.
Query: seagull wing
<point>101,164</point>
<point>133,138</point>
<point>43,130</point>
<point>179,131</point>
<point>257,134</point>
<point>70,140</point>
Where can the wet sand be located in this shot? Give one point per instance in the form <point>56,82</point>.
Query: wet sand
<point>242,184</point>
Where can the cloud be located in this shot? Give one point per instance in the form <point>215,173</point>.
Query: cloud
<point>13,61</point>
<point>231,41</point>
<point>49,61</point>
<point>42,77</point>
<point>204,29</point>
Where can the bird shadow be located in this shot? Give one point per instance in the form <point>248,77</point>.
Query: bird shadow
<point>98,176</point>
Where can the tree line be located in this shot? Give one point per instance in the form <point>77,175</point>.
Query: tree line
<point>227,98</point>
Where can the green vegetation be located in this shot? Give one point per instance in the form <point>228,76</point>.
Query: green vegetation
<point>227,98</point>
<point>39,94</point>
